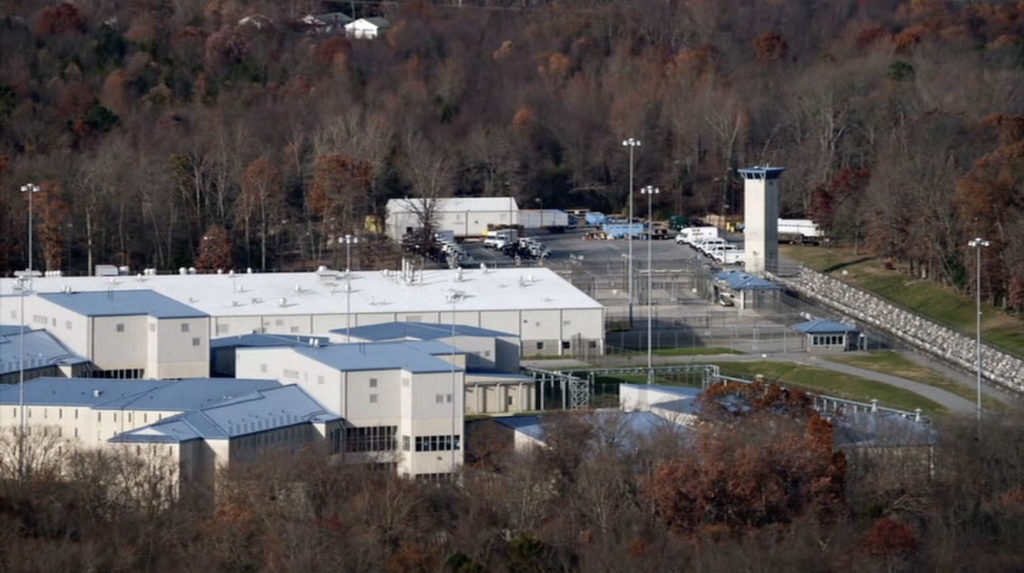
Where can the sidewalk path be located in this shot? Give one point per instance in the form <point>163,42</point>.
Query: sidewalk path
<point>944,398</point>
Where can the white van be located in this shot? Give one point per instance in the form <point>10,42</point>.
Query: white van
<point>708,245</point>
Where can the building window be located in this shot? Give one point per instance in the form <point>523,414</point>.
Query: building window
<point>540,346</point>
<point>487,353</point>
<point>184,327</point>
<point>293,329</point>
<point>373,398</point>
<point>371,439</point>
<point>439,398</point>
<point>436,443</point>
<point>593,344</point>
<point>565,345</point>
<point>279,322</point>
<point>263,368</point>
<point>222,329</point>
<point>120,327</point>
<point>289,373</point>
<point>319,379</point>
<point>373,382</point>
<point>448,398</point>
<point>67,324</point>
<point>196,341</point>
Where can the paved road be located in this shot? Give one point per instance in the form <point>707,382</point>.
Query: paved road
<point>942,397</point>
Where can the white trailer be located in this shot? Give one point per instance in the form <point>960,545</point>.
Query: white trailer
<point>693,235</point>
<point>543,218</point>
<point>799,231</point>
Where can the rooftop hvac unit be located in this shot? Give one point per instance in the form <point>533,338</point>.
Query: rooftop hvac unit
<point>282,302</point>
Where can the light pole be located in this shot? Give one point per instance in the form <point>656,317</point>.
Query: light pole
<point>348,241</point>
<point>25,285</point>
<point>632,144</point>
<point>650,191</point>
<point>454,297</point>
<point>29,189</point>
<point>977,243</point>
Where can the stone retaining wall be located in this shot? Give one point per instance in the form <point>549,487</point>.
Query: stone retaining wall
<point>921,333</point>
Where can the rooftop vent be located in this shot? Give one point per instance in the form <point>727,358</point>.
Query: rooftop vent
<point>282,302</point>
<point>97,393</point>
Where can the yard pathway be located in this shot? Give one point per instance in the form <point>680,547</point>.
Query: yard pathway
<point>944,398</point>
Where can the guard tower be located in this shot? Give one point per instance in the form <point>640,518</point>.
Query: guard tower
<point>761,218</point>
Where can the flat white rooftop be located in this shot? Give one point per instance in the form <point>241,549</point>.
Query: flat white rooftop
<point>323,292</point>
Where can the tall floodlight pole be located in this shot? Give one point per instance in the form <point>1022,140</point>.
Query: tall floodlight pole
<point>29,189</point>
<point>977,243</point>
<point>650,191</point>
<point>632,144</point>
<point>453,298</point>
<point>348,241</point>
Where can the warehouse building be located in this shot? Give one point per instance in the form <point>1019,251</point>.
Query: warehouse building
<point>465,216</point>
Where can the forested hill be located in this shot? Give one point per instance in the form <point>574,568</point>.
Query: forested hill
<point>151,123</point>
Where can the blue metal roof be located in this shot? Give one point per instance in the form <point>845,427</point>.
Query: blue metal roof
<point>260,411</point>
<point>106,394</point>
<point>416,331</point>
<point>739,280</point>
<point>265,340</point>
<point>824,326</point>
<point>40,347</point>
<point>122,303</point>
<point>414,356</point>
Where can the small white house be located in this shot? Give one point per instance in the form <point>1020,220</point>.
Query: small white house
<point>367,28</point>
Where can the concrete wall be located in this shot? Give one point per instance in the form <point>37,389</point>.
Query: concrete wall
<point>937,340</point>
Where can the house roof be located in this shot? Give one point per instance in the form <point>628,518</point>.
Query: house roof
<point>114,302</point>
<point>260,411</point>
<point>880,429</point>
<point>323,292</point>
<point>739,280</point>
<point>621,427</point>
<point>109,394</point>
<point>417,331</point>
<point>41,349</point>
<point>413,356</point>
<point>823,326</point>
<point>455,204</point>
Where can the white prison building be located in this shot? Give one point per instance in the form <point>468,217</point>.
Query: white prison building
<point>159,326</point>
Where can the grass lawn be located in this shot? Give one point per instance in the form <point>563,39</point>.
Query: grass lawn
<point>895,364</point>
<point>941,304</point>
<point>833,383</point>
<point>810,378</point>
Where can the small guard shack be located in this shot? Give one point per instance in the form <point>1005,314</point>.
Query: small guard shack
<point>825,335</point>
<point>744,290</point>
